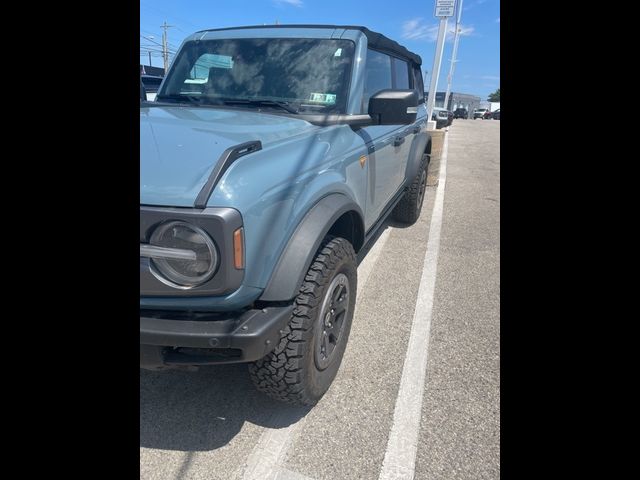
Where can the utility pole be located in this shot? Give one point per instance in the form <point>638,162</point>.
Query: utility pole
<point>165,49</point>
<point>453,56</point>
<point>150,59</point>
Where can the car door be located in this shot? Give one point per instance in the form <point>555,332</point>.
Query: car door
<point>387,145</point>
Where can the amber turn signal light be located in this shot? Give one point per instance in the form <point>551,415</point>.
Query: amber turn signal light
<point>238,248</point>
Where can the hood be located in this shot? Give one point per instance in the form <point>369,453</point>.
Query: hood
<point>179,146</point>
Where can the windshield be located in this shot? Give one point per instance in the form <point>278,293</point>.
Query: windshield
<point>306,75</point>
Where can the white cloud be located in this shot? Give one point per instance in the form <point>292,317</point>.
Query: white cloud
<point>295,3</point>
<point>473,5</point>
<point>489,77</point>
<point>416,29</point>
<point>465,31</point>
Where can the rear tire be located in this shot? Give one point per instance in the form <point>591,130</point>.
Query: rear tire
<point>306,360</point>
<point>409,208</point>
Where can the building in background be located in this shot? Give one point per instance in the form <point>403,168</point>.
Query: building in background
<point>153,71</point>
<point>456,100</point>
<point>491,106</point>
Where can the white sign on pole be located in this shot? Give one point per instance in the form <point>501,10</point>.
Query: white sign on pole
<point>445,8</point>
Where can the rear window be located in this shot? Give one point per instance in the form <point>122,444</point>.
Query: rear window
<point>418,84</point>
<point>401,73</point>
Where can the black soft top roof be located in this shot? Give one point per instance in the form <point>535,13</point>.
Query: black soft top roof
<point>376,40</point>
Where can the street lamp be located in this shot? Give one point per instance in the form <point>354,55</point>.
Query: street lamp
<point>151,37</point>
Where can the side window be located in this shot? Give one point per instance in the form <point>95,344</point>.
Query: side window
<point>418,84</point>
<point>401,72</point>
<point>377,75</point>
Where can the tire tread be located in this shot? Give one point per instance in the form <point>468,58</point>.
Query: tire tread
<point>280,374</point>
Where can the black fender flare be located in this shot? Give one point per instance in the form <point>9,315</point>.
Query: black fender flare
<point>418,147</point>
<point>295,260</point>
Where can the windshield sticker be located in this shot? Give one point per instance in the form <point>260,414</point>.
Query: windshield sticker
<point>326,98</point>
<point>338,53</point>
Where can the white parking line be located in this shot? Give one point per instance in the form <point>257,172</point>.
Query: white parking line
<point>400,457</point>
<point>284,474</point>
<point>366,266</point>
<point>270,450</point>
<point>268,454</point>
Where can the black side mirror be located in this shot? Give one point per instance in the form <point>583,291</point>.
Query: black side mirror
<point>143,92</point>
<point>394,107</point>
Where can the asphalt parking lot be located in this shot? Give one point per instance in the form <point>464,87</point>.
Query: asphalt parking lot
<point>427,294</point>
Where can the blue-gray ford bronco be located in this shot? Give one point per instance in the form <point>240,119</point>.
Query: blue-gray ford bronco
<point>268,160</point>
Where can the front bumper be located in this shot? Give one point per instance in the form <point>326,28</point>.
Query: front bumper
<point>174,339</point>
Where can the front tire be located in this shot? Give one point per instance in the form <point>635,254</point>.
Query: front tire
<point>306,360</point>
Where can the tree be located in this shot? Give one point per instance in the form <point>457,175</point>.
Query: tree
<point>495,96</point>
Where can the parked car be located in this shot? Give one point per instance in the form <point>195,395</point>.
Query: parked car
<point>487,115</point>
<point>461,113</point>
<point>255,197</point>
<point>441,117</point>
<point>496,115</point>
<point>450,116</point>
<point>479,113</point>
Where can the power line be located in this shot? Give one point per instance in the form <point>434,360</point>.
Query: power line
<point>156,49</point>
<point>151,40</point>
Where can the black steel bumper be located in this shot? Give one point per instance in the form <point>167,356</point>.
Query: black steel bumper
<point>172,339</point>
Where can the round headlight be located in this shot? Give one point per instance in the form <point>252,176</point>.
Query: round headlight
<point>178,272</point>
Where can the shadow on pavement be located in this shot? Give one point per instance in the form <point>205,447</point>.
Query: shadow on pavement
<point>366,248</point>
<point>205,410</point>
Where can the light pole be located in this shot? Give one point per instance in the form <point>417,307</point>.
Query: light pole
<point>455,52</point>
<point>435,71</point>
<point>149,51</point>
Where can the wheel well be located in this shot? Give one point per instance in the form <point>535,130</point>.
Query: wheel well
<point>350,227</point>
<point>427,150</point>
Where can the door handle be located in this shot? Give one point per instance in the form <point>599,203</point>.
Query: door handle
<point>398,141</point>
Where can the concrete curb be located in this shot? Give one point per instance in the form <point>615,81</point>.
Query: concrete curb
<point>437,142</point>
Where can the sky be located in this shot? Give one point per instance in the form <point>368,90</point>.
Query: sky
<point>409,22</point>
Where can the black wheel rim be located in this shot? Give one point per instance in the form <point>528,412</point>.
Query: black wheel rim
<point>331,320</point>
<point>422,189</point>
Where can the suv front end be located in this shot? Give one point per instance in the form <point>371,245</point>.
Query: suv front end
<point>194,309</point>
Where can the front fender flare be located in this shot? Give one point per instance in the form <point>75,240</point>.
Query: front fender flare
<point>295,260</point>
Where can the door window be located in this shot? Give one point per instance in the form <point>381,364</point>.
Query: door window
<point>377,76</point>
